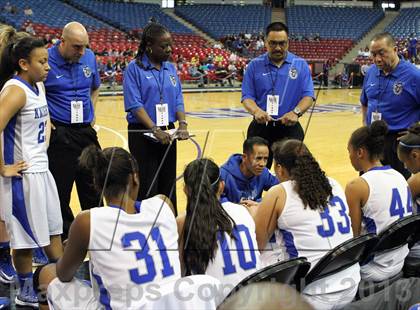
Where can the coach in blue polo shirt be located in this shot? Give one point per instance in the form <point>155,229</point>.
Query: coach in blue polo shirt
<point>72,88</point>
<point>277,89</point>
<point>153,102</point>
<point>391,92</point>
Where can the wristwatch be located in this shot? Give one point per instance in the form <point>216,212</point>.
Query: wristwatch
<point>297,111</point>
<point>183,121</point>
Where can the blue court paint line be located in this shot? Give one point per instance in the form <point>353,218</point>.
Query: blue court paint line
<point>240,112</point>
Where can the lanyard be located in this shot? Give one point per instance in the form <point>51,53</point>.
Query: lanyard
<point>273,82</point>
<point>382,90</point>
<point>74,69</point>
<point>160,83</point>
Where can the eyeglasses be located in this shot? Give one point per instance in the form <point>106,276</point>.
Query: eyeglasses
<point>282,44</point>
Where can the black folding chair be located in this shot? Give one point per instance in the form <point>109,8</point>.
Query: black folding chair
<point>287,272</point>
<point>392,237</point>
<point>341,257</point>
<point>412,264</point>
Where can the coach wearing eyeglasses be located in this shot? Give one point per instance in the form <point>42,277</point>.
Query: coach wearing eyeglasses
<point>277,89</point>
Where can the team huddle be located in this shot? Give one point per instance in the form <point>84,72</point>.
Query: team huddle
<point>142,253</point>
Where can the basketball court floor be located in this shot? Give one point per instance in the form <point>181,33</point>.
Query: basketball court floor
<point>219,124</point>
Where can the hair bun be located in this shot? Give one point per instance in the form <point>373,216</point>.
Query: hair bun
<point>378,128</point>
<point>415,129</point>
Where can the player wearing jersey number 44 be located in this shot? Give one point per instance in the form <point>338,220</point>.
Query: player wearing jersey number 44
<point>310,212</point>
<point>377,198</point>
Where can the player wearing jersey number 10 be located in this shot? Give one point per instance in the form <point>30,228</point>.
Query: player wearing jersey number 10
<point>310,212</point>
<point>217,237</point>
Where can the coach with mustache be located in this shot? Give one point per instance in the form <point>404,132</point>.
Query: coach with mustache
<point>277,89</point>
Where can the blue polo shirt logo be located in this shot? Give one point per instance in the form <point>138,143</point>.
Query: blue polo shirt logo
<point>397,88</point>
<point>293,73</point>
<point>87,72</point>
<point>173,80</point>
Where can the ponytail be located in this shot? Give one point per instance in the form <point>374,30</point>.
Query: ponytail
<point>111,168</point>
<point>372,138</point>
<point>150,33</point>
<point>205,217</point>
<point>14,47</point>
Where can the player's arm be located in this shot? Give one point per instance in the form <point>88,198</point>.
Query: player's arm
<point>267,214</point>
<point>49,124</point>
<point>180,220</point>
<point>167,201</point>
<point>414,185</point>
<point>48,129</point>
<point>357,193</point>
<point>12,99</point>
<point>76,248</point>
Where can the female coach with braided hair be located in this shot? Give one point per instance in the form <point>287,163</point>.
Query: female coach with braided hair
<point>310,212</point>
<point>153,101</point>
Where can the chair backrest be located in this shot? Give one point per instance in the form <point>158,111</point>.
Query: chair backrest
<point>341,257</point>
<point>416,236</point>
<point>397,234</point>
<point>287,272</point>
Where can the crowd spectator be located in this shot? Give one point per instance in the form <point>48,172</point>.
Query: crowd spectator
<point>28,11</point>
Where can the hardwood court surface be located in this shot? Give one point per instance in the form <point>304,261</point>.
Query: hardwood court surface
<point>220,118</point>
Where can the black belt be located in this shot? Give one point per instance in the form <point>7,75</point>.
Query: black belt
<point>141,126</point>
<point>76,125</point>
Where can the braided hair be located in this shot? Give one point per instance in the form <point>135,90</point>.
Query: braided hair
<point>150,33</point>
<point>310,181</point>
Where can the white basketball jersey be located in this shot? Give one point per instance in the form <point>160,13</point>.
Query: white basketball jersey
<point>25,136</point>
<point>236,259</point>
<point>389,200</point>
<point>312,233</point>
<point>132,254</point>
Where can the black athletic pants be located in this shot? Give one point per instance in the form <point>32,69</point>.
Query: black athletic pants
<point>149,155</point>
<point>274,131</point>
<point>66,144</point>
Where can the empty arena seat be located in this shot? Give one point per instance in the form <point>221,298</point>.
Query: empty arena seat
<point>130,16</point>
<point>221,20</point>
<point>405,24</point>
<point>331,22</point>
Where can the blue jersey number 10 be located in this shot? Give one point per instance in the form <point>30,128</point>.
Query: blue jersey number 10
<point>238,231</point>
